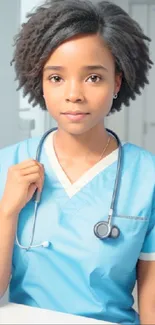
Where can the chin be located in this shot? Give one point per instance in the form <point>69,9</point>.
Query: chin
<point>76,129</point>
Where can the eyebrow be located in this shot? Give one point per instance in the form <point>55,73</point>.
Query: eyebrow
<point>87,67</point>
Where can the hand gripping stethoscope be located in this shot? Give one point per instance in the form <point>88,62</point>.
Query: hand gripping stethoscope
<point>102,229</point>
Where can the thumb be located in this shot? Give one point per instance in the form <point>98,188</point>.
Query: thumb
<point>31,191</point>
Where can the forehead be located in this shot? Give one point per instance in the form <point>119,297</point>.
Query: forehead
<point>82,50</point>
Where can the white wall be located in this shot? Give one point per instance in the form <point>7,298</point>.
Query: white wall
<point>141,114</point>
<point>9,121</point>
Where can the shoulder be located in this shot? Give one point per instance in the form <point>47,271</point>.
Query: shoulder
<point>131,151</point>
<point>138,159</point>
<point>14,154</point>
<point>18,152</point>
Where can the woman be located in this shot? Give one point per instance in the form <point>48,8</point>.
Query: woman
<point>81,62</point>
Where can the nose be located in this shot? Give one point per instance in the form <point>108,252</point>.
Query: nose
<point>74,92</point>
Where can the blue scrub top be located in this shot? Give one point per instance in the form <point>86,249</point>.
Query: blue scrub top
<point>79,273</point>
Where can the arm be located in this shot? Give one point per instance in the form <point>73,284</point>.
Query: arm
<point>22,181</point>
<point>146,291</point>
<point>8,225</point>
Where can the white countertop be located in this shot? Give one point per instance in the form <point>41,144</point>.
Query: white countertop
<point>20,314</point>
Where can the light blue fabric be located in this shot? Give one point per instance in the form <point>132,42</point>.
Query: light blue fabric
<point>78,273</point>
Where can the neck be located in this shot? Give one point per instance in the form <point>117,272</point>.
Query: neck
<point>77,146</point>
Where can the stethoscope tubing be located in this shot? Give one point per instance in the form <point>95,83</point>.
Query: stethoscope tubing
<point>37,194</point>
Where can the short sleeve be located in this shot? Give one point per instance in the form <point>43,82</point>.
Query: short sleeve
<point>148,249</point>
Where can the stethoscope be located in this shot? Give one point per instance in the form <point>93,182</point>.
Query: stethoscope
<point>102,229</point>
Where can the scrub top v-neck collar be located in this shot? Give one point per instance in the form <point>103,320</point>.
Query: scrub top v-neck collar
<point>73,188</point>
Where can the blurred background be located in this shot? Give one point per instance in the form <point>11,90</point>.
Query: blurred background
<point>18,120</point>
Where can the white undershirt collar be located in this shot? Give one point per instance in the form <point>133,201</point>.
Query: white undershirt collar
<point>72,189</point>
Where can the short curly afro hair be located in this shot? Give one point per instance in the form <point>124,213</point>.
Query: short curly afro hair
<point>58,20</point>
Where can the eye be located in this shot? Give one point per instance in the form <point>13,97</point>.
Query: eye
<point>94,78</point>
<point>55,78</point>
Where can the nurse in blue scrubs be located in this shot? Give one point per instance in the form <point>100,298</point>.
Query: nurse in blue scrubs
<point>81,62</point>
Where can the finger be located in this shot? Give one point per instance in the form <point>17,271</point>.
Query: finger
<point>39,184</point>
<point>33,163</point>
<point>27,163</point>
<point>35,179</point>
<point>32,178</point>
<point>31,170</point>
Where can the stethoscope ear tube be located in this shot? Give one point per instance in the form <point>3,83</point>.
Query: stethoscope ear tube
<point>118,172</point>
<point>104,229</point>
<point>37,194</point>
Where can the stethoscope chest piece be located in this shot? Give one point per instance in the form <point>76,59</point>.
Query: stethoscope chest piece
<point>115,232</point>
<point>104,230</point>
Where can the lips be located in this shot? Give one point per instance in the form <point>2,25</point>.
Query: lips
<point>75,113</point>
<point>75,116</point>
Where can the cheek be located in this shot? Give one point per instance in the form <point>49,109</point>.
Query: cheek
<point>102,98</point>
<point>51,97</point>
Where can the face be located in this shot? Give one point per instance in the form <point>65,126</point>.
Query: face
<point>79,83</point>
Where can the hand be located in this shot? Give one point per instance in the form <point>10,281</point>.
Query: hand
<point>22,181</point>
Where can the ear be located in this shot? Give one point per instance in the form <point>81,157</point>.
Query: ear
<point>118,82</point>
